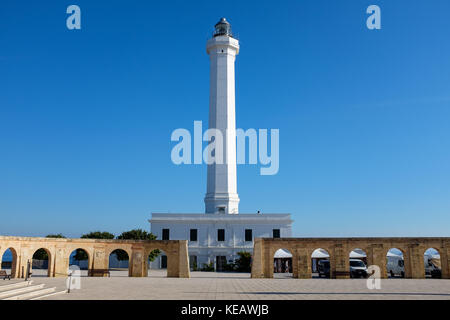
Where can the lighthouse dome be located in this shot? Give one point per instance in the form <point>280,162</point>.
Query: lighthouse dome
<point>223,28</point>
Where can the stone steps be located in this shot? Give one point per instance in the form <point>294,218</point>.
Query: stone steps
<point>15,285</point>
<point>50,294</point>
<point>13,292</point>
<point>25,290</point>
<point>33,294</point>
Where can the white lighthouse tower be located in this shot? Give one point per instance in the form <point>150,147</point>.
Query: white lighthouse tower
<point>221,195</point>
<point>219,235</point>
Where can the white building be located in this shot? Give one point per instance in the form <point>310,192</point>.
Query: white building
<point>218,234</point>
<point>217,238</point>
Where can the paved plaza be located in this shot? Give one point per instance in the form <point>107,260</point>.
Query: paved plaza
<point>239,286</point>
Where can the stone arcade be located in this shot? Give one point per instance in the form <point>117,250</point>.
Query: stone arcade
<point>98,252</point>
<point>339,249</point>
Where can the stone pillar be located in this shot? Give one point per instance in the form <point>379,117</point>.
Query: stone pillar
<point>407,263</point>
<point>146,265</point>
<point>90,253</point>
<point>445,262</point>
<point>294,262</point>
<point>172,264</point>
<point>303,264</point>
<point>257,259</point>
<point>268,261</point>
<point>2,251</point>
<point>136,266</point>
<point>183,255</point>
<point>370,258</point>
<point>99,258</point>
<point>51,262</point>
<point>340,265</point>
<point>416,264</point>
<point>376,255</point>
<point>61,262</point>
<point>23,257</point>
<point>173,259</point>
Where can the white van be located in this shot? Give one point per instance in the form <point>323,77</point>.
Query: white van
<point>358,269</point>
<point>395,266</point>
<point>431,269</point>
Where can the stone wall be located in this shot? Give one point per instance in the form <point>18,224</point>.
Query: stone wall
<point>339,249</point>
<point>98,252</point>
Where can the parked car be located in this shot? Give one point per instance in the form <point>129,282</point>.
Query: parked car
<point>396,266</point>
<point>323,266</point>
<point>358,269</point>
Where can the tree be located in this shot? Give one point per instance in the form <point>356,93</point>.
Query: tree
<point>81,254</point>
<point>137,234</point>
<point>243,263</point>
<point>98,235</point>
<point>41,254</point>
<point>121,254</point>
<point>59,236</point>
<point>208,267</point>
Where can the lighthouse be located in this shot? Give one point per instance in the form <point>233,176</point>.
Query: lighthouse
<point>221,194</point>
<point>219,235</point>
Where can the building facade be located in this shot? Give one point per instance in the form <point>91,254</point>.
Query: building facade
<point>216,236</point>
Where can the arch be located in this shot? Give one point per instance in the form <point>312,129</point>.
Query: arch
<point>7,265</point>
<point>282,263</point>
<point>111,249</point>
<point>157,262</point>
<point>320,263</point>
<point>432,263</point>
<point>80,257</point>
<point>118,262</point>
<point>41,260</point>
<point>358,253</point>
<point>395,263</point>
<point>358,263</point>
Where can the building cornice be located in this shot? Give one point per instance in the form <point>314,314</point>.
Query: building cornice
<point>202,218</point>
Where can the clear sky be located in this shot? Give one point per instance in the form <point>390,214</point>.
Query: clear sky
<point>86,115</point>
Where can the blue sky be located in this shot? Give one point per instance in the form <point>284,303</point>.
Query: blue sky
<point>86,116</point>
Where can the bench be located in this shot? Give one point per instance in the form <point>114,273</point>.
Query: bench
<point>4,275</point>
<point>98,273</point>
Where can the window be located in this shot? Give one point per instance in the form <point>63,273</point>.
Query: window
<point>357,263</point>
<point>221,235</point>
<point>276,233</point>
<point>248,235</point>
<point>193,235</point>
<point>165,234</point>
